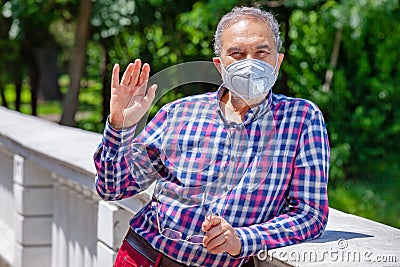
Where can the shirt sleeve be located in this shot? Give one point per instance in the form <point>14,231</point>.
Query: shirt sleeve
<point>305,212</point>
<point>126,165</point>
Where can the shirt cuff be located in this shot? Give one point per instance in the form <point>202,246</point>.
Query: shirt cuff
<point>251,245</point>
<point>116,138</point>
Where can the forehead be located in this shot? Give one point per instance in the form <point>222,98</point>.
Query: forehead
<point>247,31</point>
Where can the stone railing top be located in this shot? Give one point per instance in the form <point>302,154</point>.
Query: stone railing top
<point>34,137</point>
<point>64,150</point>
<point>348,240</point>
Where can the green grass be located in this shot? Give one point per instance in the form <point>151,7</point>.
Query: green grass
<point>9,91</point>
<point>374,199</point>
<point>89,116</point>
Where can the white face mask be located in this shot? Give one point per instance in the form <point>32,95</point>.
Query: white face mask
<point>249,78</point>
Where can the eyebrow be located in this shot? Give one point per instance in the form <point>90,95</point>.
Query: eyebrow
<point>233,49</point>
<point>238,48</point>
<point>264,46</point>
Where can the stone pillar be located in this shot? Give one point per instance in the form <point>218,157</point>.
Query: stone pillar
<point>61,224</point>
<point>112,225</point>
<point>55,227</point>
<point>90,209</point>
<point>71,224</point>
<point>6,188</point>
<point>33,195</point>
<point>81,233</point>
<point>7,208</point>
<point>74,224</point>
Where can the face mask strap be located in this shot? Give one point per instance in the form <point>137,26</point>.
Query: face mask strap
<point>276,64</point>
<point>222,65</point>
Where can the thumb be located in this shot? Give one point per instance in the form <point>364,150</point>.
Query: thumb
<point>151,93</point>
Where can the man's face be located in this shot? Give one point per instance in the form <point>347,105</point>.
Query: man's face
<point>248,39</point>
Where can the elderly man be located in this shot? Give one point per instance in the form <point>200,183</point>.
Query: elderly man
<point>236,171</point>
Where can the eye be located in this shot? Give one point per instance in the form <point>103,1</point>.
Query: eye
<point>262,53</point>
<point>236,54</point>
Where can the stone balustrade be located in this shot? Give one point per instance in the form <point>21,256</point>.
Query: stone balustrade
<point>50,214</point>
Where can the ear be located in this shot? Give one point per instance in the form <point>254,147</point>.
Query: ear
<point>217,63</point>
<point>280,59</point>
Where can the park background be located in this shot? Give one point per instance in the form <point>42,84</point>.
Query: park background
<point>56,58</point>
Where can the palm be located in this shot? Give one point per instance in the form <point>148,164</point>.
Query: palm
<point>129,99</point>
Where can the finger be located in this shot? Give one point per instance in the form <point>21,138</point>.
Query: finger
<point>216,244</point>
<point>144,75</point>
<point>210,221</point>
<point>136,72</point>
<point>151,93</point>
<point>212,233</point>
<point>115,76</point>
<point>215,230</point>
<point>218,249</point>
<point>228,241</point>
<point>143,79</point>
<point>126,78</point>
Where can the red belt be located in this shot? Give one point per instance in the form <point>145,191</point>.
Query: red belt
<point>139,244</point>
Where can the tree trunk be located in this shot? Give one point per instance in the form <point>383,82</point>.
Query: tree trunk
<point>333,62</point>
<point>106,83</point>
<point>18,90</point>
<point>271,3</point>
<point>34,73</point>
<point>5,24</point>
<point>3,98</point>
<point>77,64</point>
<point>46,58</point>
<point>288,42</point>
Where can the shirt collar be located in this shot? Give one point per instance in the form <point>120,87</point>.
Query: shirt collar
<point>253,113</point>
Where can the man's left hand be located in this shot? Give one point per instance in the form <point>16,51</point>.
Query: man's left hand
<point>220,236</point>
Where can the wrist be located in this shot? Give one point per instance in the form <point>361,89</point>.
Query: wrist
<point>116,124</point>
<point>237,252</point>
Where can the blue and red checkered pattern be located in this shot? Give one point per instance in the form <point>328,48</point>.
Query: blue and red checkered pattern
<point>266,176</point>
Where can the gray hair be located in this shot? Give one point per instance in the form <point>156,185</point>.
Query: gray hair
<point>239,13</point>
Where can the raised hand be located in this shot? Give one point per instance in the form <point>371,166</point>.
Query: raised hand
<point>129,99</point>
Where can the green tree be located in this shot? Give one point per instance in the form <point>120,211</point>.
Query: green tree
<point>77,63</point>
<point>31,23</point>
<point>343,55</point>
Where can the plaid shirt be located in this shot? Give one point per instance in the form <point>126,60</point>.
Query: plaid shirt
<point>266,176</point>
